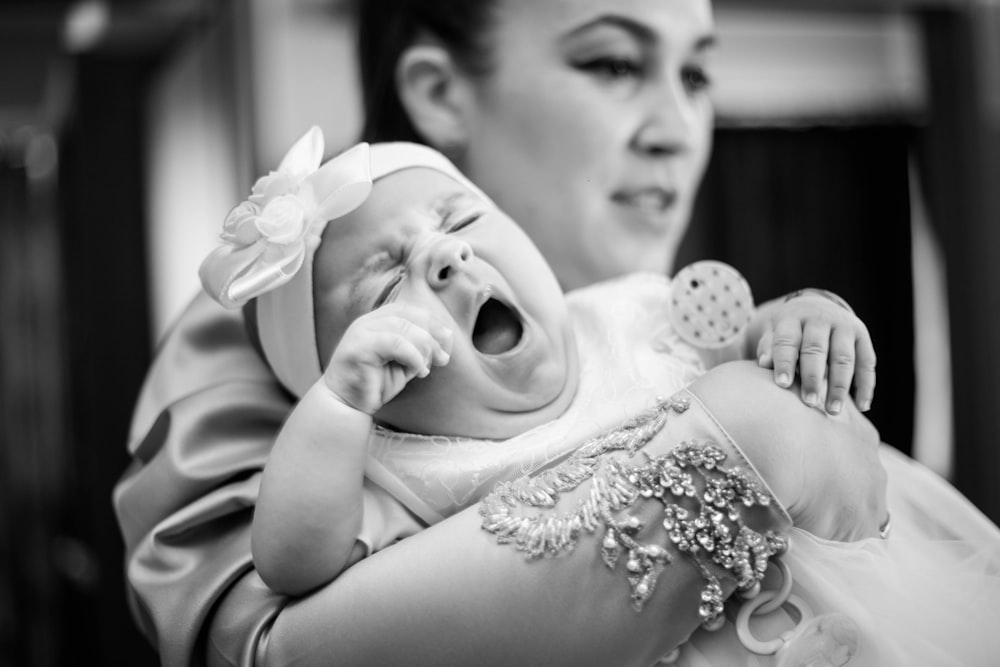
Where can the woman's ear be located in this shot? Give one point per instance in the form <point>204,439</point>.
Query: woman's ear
<point>433,93</point>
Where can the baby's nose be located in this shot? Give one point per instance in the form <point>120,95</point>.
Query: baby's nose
<point>447,257</point>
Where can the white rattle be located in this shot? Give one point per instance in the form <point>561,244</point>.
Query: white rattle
<point>711,304</point>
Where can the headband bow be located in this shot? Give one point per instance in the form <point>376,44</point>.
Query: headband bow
<point>266,238</point>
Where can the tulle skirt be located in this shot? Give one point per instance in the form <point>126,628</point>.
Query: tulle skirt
<point>927,595</point>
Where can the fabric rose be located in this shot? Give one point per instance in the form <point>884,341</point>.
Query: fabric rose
<point>265,238</point>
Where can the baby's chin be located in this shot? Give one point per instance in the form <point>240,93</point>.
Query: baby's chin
<point>484,397</point>
<point>470,420</point>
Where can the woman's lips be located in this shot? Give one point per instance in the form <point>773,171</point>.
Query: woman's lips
<point>498,328</point>
<point>649,209</point>
<point>649,200</point>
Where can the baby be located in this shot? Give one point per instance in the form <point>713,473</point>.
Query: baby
<point>455,359</point>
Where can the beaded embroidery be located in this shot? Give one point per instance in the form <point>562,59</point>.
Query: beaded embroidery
<point>701,502</point>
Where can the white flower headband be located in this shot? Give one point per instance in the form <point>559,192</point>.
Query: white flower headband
<point>265,238</point>
<point>268,241</point>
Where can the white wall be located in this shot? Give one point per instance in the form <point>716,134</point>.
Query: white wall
<point>303,75</point>
<point>779,66</point>
<point>191,171</point>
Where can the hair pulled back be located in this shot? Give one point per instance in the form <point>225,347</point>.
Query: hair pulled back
<point>386,28</point>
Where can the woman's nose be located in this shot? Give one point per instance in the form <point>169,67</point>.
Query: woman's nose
<point>668,127</point>
<point>448,256</point>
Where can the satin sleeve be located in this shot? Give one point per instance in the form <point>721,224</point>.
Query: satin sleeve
<point>204,423</point>
<point>202,428</point>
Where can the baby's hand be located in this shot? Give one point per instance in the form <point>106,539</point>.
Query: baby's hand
<point>382,351</point>
<point>830,345</point>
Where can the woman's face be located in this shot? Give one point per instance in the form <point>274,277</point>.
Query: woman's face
<point>594,130</point>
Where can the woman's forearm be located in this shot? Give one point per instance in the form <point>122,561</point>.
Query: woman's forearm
<point>452,596</point>
<point>823,468</point>
<point>455,595</point>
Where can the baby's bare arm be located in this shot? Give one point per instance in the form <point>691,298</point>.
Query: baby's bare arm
<point>310,506</point>
<point>311,502</point>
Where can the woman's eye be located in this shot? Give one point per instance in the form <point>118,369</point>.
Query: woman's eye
<point>612,68</point>
<point>463,220</point>
<point>695,78</point>
<point>388,292</point>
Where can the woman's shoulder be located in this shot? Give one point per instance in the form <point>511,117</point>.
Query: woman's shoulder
<point>636,282</point>
<point>634,292</point>
<point>208,342</point>
<point>206,347</point>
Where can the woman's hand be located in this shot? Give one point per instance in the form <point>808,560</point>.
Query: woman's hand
<point>828,344</point>
<point>382,351</point>
<point>823,468</point>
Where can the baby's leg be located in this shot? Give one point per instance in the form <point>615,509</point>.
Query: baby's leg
<point>823,468</point>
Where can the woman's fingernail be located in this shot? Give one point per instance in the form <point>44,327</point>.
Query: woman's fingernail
<point>865,406</point>
<point>811,399</point>
<point>784,380</point>
<point>835,407</point>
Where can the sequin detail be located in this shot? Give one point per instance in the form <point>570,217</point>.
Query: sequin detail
<point>703,506</point>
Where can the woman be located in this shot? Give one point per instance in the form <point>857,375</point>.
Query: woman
<point>606,112</point>
<point>612,97</point>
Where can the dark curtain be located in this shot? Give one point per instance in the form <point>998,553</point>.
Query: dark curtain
<point>822,207</point>
<point>33,549</point>
<point>102,233</point>
<point>73,351</point>
<point>960,165</point>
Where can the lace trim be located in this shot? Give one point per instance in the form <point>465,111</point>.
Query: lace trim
<point>540,535</point>
<point>701,501</point>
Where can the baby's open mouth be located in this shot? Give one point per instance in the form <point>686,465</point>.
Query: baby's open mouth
<point>498,328</point>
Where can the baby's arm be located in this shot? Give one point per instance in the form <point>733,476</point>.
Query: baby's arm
<point>309,510</point>
<point>310,507</point>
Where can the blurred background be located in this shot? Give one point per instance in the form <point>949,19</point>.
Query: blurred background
<point>857,149</point>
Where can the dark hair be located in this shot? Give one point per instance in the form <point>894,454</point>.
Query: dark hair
<point>387,27</point>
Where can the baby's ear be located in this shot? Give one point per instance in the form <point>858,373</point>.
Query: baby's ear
<point>434,94</point>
